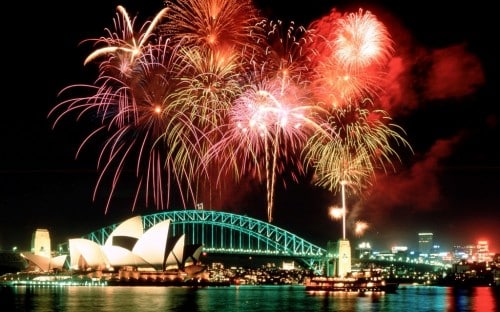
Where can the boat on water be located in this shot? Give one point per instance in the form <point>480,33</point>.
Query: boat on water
<point>354,282</point>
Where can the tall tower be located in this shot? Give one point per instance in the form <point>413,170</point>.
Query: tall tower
<point>344,264</point>
<point>40,243</point>
<point>344,247</point>
<point>425,242</point>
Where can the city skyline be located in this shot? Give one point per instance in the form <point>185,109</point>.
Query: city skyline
<point>427,246</point>
<point>449,187</point>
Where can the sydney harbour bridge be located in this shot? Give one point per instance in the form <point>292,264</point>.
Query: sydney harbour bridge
<point>232,234</point>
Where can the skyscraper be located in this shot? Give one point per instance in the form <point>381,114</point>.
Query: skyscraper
<point>483,253</point>
<point>425,242</point>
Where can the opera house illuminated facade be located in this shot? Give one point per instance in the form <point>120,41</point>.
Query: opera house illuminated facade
<point>129,247</point>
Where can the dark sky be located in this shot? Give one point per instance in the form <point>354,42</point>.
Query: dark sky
<point>445,95</point>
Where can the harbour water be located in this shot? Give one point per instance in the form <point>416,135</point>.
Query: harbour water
<point>244,299</point>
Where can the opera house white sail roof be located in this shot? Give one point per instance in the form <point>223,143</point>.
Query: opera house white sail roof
<point>131,228</point>
<point>44,263</point>
<point>129,245</point>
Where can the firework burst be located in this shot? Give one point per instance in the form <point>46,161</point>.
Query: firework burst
<point>353,51</point>
<point>218,25</point>
<point>356,143</point>
<point>360,228</point>
<point>284,56</point>
<point>266,130</point>
<point>140,123</point>
<point>124,45</point>
<point>208,89</point>
<point>362,41</point>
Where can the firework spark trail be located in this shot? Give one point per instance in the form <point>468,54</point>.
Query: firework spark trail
<point>165,123</point>
<point>127,47</point>
<point>279,118</point>
<point>219,25</point>
<point>126,81</point>
<point>350,65</point>
<point>138,118</point>
<point>211,82</point>
<point>284,56</point>
<point>282,105</point>
<point>209,89</point>
<point>264,126</point>
<point>273,101</point>
<point>215,36</point>
<point>353,51</point>
<point>359,142</point>
<point>120,55</point>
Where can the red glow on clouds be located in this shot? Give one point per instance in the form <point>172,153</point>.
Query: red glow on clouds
<point>423,77</point>
<point>419,74</point>
<point>418,186</point>
<point>453,73</point>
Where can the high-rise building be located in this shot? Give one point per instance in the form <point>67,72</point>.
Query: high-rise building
<point>425,242</point>
<point>483,253</point>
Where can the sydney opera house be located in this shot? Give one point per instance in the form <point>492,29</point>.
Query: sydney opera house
<point>129,251</point>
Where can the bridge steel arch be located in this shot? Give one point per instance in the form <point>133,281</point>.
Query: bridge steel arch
<point>229,233</point>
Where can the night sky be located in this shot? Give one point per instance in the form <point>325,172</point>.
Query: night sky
<point>445,96</point>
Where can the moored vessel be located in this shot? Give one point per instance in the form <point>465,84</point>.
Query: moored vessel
<point>355,282</point>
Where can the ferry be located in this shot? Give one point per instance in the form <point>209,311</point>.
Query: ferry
<point>369,281</point>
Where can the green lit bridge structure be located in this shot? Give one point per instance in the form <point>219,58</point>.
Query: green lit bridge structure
<point>228,233</point>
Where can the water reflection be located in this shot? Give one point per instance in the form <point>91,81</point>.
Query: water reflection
<point>473,299</point>
<point>244,299</point>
